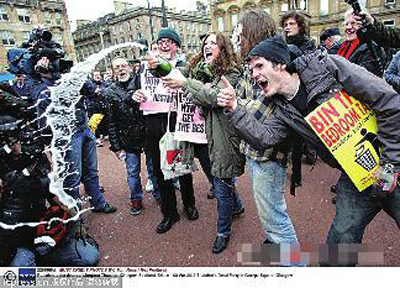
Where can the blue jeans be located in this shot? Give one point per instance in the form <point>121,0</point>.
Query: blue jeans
<point>227,202</point>
<point>355,210</point>
<point>268,180</point>
<point>133,165</point>
<point>82,159</point>
<point>75,252</point>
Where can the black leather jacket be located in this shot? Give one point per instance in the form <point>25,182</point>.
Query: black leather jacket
<point>127,125</point>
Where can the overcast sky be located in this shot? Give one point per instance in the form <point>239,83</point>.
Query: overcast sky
<point>93,9</point>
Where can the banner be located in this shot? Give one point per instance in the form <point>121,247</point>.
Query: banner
<point>190,124</point>
<point>349,129</point>
<point>159,98</point>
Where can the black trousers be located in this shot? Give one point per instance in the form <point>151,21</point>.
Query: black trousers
<point>166,187</point>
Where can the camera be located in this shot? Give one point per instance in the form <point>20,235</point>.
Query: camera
<point>22,60</point>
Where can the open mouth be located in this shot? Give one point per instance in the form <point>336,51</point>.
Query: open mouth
<point>208,56</point>
<point>263,84</point>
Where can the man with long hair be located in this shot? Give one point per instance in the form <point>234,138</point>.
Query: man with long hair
<point>267,167</point>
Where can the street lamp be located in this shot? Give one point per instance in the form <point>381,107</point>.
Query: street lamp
<point>164,14</point>
<point>150,21</point>
<point>101,33</point>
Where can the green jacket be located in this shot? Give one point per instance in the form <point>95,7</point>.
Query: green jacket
<point>223,142</point>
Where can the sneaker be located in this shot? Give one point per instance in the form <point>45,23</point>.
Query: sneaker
<point>149,186</point>
<point>107,208</point>
<point>137,207</point>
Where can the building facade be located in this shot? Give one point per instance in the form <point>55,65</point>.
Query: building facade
<point>19,17</point>
<point>129,24</point>
<point>322,14</point>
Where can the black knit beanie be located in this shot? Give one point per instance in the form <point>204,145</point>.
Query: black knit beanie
<point>170,34</point>
<point>274,49</point>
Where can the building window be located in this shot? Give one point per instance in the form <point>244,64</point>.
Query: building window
<point>58,19</point>
<point>363,4</point>
<point>284,7</point>
<point>23,16</point>
<point>234,20</point>
<point>3,14</point>
<point>389,22</point>
<point>324,7</point>
<point>58,38</point>
<point>7,37</point>
<point>220,21</point>
<point>27,35</point>
<point>267,9</point>
<point>47,17</point>
<point>303,5</point>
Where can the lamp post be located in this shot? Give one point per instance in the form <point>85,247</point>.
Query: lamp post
<point>150,21</point>
<point>101,33</point>
<point>164,14</point>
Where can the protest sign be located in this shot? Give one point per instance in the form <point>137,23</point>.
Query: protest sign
<point>190,124</point>
<point>159,98</point>
<point>348,128</point>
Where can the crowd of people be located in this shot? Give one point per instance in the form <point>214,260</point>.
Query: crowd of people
<point>245,108</point>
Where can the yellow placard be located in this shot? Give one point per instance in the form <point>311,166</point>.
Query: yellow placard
<point>94,121</point>
<point>349,129</point>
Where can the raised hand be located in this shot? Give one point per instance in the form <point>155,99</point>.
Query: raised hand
<point>227,96</point>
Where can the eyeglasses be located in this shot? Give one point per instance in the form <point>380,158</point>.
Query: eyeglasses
<point>164,41</point>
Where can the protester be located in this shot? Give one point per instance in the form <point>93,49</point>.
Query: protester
<point>215,61</point>
<point>82,157</point>
<point>127,128</point>
<point>267,168</point>
<point>295,30</point>
<point>295,90</point>
<point>359,52</point>
<point>169,42</point>
<point>392,74</point>
<point>331,40</point>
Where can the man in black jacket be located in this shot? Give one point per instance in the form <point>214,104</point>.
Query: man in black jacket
<point>169,42</point>
<point>127,130</point>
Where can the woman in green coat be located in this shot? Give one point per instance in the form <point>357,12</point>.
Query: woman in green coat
<point>215,64</point>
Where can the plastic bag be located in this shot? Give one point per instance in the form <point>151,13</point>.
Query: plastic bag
<point>173,160</point>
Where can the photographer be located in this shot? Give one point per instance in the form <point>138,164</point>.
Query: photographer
<point>82,157</point>
<point>24,187</point>
<point>358,50</point>
<point>383,35</point>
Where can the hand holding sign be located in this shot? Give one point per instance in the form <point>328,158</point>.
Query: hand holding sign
<point>226,97</point>
<point>174,80</point>
<point>139,96</point>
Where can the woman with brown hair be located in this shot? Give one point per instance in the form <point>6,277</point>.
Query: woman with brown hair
<point>208,72</point>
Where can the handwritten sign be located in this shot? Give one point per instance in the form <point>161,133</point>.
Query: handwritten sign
<point>190,124</point>
<point>348,128</point>
<point>159,98</point>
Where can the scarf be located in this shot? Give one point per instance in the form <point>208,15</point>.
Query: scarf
<point>348,47</point>
<point>203,72</point>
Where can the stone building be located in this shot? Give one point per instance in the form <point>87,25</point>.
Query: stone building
<point>19,17</point>
<point>321,13</point>
<point>129,23</point>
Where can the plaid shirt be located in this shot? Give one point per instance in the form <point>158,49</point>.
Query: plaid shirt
<point>261,107</point>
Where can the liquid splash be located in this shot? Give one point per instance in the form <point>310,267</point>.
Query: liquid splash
<point>60,117</point>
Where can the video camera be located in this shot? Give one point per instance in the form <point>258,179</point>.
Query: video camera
<point>22,60</point>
